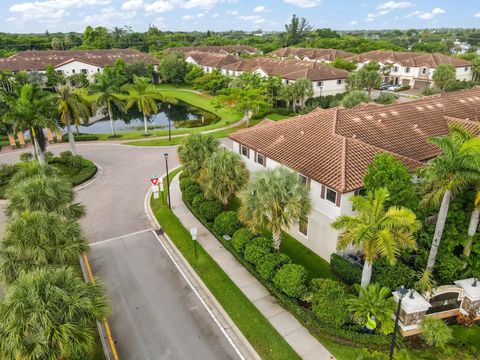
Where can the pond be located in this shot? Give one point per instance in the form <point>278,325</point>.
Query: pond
<point>180,114</point>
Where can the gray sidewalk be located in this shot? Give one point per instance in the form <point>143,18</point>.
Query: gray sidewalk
<point>286,324</point>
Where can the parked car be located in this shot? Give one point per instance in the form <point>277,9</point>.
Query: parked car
<point>394,87</point>
<point>384,86</point>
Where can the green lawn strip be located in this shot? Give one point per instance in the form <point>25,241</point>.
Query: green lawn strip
<point>256,328</point>
<point>277,117</point>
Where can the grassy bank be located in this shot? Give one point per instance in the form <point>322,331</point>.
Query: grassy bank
<point>256,328</point>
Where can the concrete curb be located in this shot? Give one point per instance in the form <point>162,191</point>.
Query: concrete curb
<point>224,319</point>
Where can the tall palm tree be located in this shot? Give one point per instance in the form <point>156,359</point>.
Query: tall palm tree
<point>107,93</point>
<point>30,108</point>
<point>145,96</point>
<point>377,231</point>
<point>303,89</point>
<point>195,150</point>
<point>223,175</point>
<point>45,193</point>
<point>73,107</point>
<point>274,201</point>
<point>447,175</point>
<point>51,314</point>
<point>35,239</point>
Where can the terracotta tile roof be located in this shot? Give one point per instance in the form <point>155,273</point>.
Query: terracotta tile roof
<point>410,58</point>
<point>225,49</point>
<point>335,146</point>
<point>310,53</point>
<point>39,60</point>
<point>216,60</point>
<point>289,69</point>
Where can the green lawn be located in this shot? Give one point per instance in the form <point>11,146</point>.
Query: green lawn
<point>256,328</point>
<point>277,117</point>
<point>227,115</point>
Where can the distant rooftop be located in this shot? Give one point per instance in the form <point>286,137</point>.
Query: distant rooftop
<point>310,53</point>
<point>226,49</point>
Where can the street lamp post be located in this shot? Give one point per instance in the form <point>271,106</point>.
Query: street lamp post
<point>169,131</point>
<point>401,294</point>
<point>168,181</point>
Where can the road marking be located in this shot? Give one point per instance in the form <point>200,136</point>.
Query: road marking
<point>212,315</point>
<point>121,237</point>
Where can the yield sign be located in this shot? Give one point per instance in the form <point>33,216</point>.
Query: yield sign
<point>154,180</point>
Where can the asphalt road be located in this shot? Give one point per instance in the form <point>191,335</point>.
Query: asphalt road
<point>154,313</point>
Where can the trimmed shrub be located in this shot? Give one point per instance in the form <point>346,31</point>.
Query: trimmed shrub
<point>27,156</point>
<point>197,201</point>
<point>392,277</point>
<point>270,263</point>
<point>240,239</point>
<point>435,332</point>
<point>227,223</point>
<point>256,249</point>
<point>81,137</point>
<point>186,182</point>
<point>347,272</point>
<point>190,192</point>
<point>291,280</point>
<point>329,302</point>
<point>209,209</point>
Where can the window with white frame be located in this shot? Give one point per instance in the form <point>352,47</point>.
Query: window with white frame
<point>73,71</point>
<point>260,159</point>
<point>395,69</point>
<point>331,195</point>
<point>303,227</point>
<point>360,192</point>
<point>407,70</point>
<point>319,83</point>
<point>466,68</point>
<point>339,82</point>
<point>84,71</point>
<point>303,179</point>
<point>424,71</point>
<point>244,150</point>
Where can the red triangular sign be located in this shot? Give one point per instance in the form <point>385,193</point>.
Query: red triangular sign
<point>154,181</point>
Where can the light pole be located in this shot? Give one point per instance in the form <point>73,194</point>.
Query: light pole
<point>401,294</point>
<point>169,131</point>
<point>168,180</point>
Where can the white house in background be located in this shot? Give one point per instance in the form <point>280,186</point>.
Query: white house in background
<point>221,49</point>
<point>71,62</point>
<point>326,80</point>
<point>330,150</point>
<point>210,61</point>
<point>310,54</point>
<point>413,69</point>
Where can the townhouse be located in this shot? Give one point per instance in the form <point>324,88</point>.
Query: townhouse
<point>210,61</point>
<point>326,80</point>
<point>413,69</point>
<point>223,49</point>
<point>310,54</point>
<point>331,148</point>
<point>70,62</point>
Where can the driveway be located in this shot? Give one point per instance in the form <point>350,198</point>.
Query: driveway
<point>154,312</point>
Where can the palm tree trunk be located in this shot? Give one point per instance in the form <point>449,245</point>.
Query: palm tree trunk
<point>145,124</point>
<point>71,139</point>
<point>472,229</point>
<point>277,238</point>
<point>437,237</point>
<point>38,148</point>
<point>366,274</point>
<point>112,124</point>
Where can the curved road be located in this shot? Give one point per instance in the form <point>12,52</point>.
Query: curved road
<point>154,313</point>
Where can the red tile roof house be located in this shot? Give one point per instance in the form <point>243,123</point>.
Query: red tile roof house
<point>326,80</point>
<point>330,150</point>
<point>310,54</point>
<point>414,69</point>
<point>71,62</point>
<point>222,49</point>
<point>210,61</point>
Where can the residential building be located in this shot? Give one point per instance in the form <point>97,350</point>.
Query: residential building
<point>331,148</point>
<point>70,62</point>
<point>326,80</point>
<point>210,61</point>
<point>310,54</point>
<point>224,49</point>
<point>413,69</point>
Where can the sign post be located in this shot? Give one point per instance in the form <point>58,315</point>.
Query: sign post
<point>193,232</point>
<point>161,189</point>
<point>155,189</point>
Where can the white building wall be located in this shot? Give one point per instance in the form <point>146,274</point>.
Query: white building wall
<point>77,67</point>
<point>329,87</point>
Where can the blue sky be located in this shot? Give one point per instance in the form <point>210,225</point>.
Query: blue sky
<point>73,15</point>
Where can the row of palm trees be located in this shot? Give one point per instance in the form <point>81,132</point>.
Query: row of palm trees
<point>27,107</point>
<point>48,312</point>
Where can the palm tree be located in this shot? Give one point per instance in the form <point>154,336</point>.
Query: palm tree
<point>45,193</point>
<point>374,300</point>
<point>378,231</point>
<point>473,224</point>
<point>30,108</point>
<point>195,150</point>
<point>51,314</point>
<point>145,96</point>
<point>224,174</point>
<point>446,176</point>
<point>274,201</point>
<point>31,169</point>
<point>287,94</point>
<point>303,89</point>
<point>35,239</point>
<point>73,107</point>
<point>106,91</point>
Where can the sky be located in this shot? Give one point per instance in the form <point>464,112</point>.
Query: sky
<point>27,16</point>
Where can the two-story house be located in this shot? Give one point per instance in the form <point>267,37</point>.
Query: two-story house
<point>413,69</point>
<point>310,54</point>
<point>210,61</point>
<point>331,148</point>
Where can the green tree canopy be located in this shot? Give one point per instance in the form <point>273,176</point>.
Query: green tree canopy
<point>195,150</point>
<point>443,76</point>
<point>355,97</point>
<point>173,68</point>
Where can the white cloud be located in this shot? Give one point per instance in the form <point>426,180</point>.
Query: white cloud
<point>215,15</point>
<point>391,5</point>
<point>256,19</point>
<point>161,6</point>
<point>353,22</point>
<point>437,11</point>
<point>187,17</point>
<point>304,3</point>
<point>425,15</point>
<point>132,5</point>
<point>232,12</point>
<point>259,9</point>
<point>200,15</point>
<point>477,15</point>
<point>50,9</point>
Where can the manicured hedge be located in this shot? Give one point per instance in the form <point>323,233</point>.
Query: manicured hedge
<point>190,192</point>
<point>227,223</point>
<point>291,280</point>
<point>330,302</point>
<point>346,271</point>
<point>270,263</point>
<point>209,209</point>
<point>81,137</point>
<point>257,249</point>
<point>240,239</point>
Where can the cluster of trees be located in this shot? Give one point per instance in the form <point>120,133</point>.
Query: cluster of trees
<point>48,310</point>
